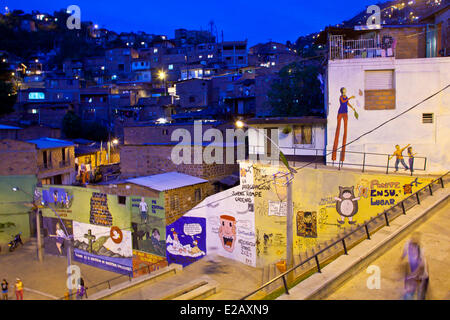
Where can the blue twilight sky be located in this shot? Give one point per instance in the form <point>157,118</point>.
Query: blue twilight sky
<point>257,21</point>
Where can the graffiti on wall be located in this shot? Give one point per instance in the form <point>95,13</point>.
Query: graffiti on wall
<point>307,224</point>
<point>347,204</point>
<point>148,225</point>
<point>56,241</point>
<point>103,247</point>
<point>59,198</point>
<point>100,214</point>
<point>186,240</point>
<point>144,263</point>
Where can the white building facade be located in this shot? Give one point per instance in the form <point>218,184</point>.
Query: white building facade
<point>385,88</point>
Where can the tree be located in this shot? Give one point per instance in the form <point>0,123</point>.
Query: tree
<point>8,95</point>
<point>71,125</point>
<point>297,92</point>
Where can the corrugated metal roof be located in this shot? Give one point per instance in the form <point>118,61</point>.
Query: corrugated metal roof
<point>166,181</point>
<point>48,143</point>
<point>5,127</point>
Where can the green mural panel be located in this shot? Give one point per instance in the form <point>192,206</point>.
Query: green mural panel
<point>85,205</point>
<point>149,224</point>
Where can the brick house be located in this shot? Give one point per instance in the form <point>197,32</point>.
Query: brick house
<point>181,192</point>
<point>51,160</point>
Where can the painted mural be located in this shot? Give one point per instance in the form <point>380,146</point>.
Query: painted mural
<point>148,225</point>
<point>186,240</point>
<point>325,204</point>
<point>230,220</point>
<point>57,197</point>
<point>342,117</point>
<point>101,226</point>
<point>57,236</point>
<point>102,247</point>
<point>144,262</point>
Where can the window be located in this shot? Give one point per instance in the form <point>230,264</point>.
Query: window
<point>379,90</point>
<point>303,134</point>
<point>170,67</point>
<point>121,199</point>
<point>191,99</point>
<point>36,95</point>
<point>427,117</point>
<point>165,132</point>
<point>63,154</point>
<point>198,195</point>
<point>174,203</point>
<point>121,67</point>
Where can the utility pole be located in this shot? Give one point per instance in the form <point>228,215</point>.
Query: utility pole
<point>38,234</point>
<point>289,228</point>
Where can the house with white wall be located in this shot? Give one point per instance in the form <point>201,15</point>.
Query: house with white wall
<point>299,138</point>
<point>406,85</point>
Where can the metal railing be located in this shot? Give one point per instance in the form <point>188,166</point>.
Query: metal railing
<point>380,220</point>
<point>45,166</point>
<point>340,49</point>
<point>122,278</point>
<point>65,163</point>
<point>366,159</point>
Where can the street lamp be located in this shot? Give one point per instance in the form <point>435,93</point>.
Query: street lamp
<point>289,204</point>
<point>113,142</point>
<point>162,76</point>
<point>38,229</point>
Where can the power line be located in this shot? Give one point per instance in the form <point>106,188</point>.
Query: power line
<point>382,124</point>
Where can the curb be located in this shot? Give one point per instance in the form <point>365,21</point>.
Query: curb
<point>320,285</point>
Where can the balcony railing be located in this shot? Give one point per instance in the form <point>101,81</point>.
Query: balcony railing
<point>363,48</point>
<point>65,163</point>
<point>45,166</point>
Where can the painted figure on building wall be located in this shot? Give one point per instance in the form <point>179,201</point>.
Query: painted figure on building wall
<point>342,116</point>
<point>411,155</point>
<point>227,232</point>
<point>143,208</point>
<point>307,224</point>
<point>346,204</point>
<point>398,153</point>
<point>60,237</point>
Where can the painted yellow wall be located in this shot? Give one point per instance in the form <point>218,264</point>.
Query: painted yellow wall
<point>314,190</point>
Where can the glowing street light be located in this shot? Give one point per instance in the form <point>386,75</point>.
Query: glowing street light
<point>162,76</point>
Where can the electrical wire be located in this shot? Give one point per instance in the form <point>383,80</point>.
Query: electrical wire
<point>382,124</point>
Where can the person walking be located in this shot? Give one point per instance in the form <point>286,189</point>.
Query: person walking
<point>416,275</point>
<point>398,153</point>
<point>19,289</point>
<point>4,290</point>
<point>81,290</point>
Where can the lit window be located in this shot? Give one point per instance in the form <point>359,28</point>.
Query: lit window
<point>155,50</point>
<point>170,67</point>
<point>36,95</point>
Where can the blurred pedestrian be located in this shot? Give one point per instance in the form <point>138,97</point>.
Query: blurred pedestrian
<point>19,289</point>
<point>4,290</point>
<point>416,275</point>
<point>81,291</point>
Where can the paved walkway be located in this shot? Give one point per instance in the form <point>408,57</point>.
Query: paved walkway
<point>46,280</point>
<point>435,240</point>
<point>234,280</point>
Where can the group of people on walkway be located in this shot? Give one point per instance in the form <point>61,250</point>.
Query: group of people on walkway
<point>18,288</point>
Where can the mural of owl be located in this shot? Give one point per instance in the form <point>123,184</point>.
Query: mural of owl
<point>346,204</point>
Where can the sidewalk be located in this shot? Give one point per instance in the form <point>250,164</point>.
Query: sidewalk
<point>46,280</point>
<point>435,240</point>
<point>345,267</point>
<point>233,279</point>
